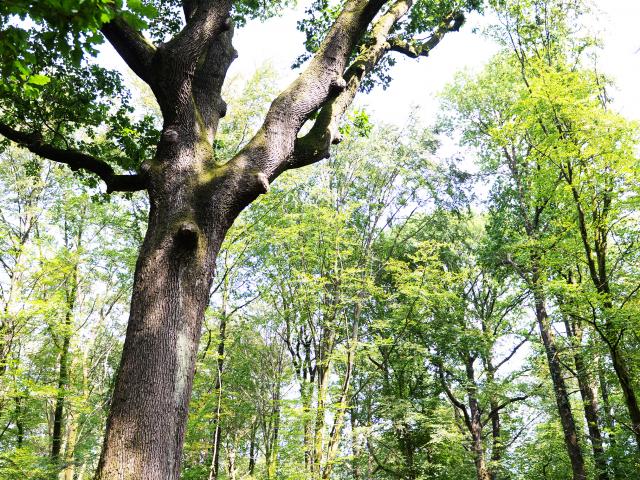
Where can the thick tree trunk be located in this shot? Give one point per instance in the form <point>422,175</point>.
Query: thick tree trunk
<point>193,204</point>
<point>145,430</point>
<point>560,389</point>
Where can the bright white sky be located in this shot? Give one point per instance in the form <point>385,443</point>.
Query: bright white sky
<point>418,82</point>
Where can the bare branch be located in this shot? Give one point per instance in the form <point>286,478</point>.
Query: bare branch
<point>76,160</point>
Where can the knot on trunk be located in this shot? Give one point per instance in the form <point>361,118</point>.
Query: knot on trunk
<point>170,135</point>
<point>263,182</point>
<point>338,85</point>
<point>187,236</point>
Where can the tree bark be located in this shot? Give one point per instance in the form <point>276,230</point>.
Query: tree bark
<point>559,388</point>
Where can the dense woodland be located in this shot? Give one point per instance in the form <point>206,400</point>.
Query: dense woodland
<point>397,311</point>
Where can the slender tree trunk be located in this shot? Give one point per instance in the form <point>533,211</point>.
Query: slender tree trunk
<point>323,368</point>
<point>338,420</point>
<point>217,434</point>
<point>559,388</point>
<point>19,422</point>
<point>306,394</point>
<point>232,468</point>
<point>272,457</point>
<point>318,438</point>
<point>475,423</point>
<point>253,447</point>
<point>68,471</point>
<point>355,445</point>
<point>631,400</point>
<point>596,259</point>
<point>497,447</point>
<point>608,418</point>
<point>589,398</point>
<point>58,413</point>
<point>64,360</point>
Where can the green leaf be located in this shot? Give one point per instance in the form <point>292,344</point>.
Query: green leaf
<point>38,80</point>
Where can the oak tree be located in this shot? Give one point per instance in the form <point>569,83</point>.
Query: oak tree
<point>59,103</point>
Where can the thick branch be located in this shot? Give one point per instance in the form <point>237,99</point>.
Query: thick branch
<point>452,23</point>
<point>76,161</point>
<point>315,145</point>
<point>273,145</point>
<point>131,45</point>
<point>206,19</point>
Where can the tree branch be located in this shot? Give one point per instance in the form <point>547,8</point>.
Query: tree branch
<point>452,23</point>
<point>131,45</point>
<point>206,19</point>
<point>271,148</point>
<point>76,160</point>
<point>315,145</point>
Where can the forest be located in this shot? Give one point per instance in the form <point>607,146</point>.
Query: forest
<point>205,277</point>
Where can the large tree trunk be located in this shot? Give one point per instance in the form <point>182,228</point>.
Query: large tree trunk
<point>559,388</point>
<point>173,276</point>
<point>193,202</point>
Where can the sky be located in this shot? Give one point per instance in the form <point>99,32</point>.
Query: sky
<point>416,83</point>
